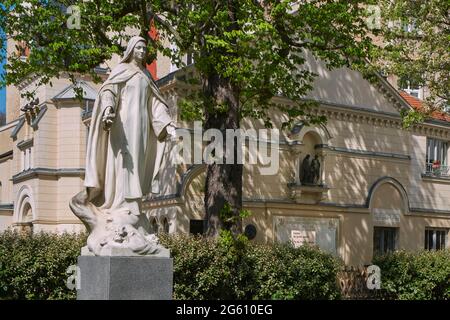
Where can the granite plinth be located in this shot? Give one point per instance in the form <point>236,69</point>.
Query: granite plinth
<point>125,278</point>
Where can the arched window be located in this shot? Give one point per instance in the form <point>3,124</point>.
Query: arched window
<point>388,204</point>
<point>166,225</point>
<point>154,225</point>
<point>26,216</point>
<point>27,213</point>
<point>24,207</point>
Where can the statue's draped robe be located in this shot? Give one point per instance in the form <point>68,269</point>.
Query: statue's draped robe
<point>124,162</point>
<point>305,169</point>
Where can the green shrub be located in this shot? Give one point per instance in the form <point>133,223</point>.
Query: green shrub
<point>415,276</point>
<point>207,269</point>
<point>33,266</point>
<point>283,272</point>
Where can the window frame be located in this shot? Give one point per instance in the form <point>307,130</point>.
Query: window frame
<point>197,226</point>
<point>166,225</point>
<point>439,150</point>
<point>154,225</point>
<point>435,231</point>
<point>382,245</point>
<point>406,85</point>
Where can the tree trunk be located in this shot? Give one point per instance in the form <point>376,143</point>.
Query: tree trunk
<point>223,181</point>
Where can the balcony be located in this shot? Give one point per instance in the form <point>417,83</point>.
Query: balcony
<point>437,170</point>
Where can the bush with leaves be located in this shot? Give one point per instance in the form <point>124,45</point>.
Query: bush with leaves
<point>284,272</point>
<point>33,266</point>
<point>235,269</point>
<point>206,269</point>
<point>423,275</point>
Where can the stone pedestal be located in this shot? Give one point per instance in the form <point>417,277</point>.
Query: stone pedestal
<point>308,194</point>
<point>125,278</point>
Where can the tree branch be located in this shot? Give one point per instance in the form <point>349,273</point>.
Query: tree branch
<point>165,24</point>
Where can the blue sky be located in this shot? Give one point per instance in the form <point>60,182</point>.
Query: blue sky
<point>2,90</point>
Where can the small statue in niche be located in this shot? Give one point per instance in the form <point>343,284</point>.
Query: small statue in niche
<point>315,170</point>
<point>305,170</point>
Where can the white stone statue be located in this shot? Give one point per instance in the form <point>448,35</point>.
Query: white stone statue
<point>130,122</point>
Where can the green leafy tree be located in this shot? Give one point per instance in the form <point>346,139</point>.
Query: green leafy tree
<point>416,35</point>
<point>245,52</point>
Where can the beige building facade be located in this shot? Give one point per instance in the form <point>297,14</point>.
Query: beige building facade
<point>381,187</point>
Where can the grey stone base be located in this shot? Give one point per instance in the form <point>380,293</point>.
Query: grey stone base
<point>125,278</point>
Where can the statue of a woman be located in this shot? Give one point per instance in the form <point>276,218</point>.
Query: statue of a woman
<point>305,169</point>
<point>315,170</point>
<point>129,124</point>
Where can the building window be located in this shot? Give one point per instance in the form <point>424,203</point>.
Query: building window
<point>26,164</point>
<point>24,160</point>
<point>411,87</point>
<point>189,59</point>
<point>446,107</point>
<point>384,240</point>
<point>23,51</point>
<point>196,227</point>
<point>27,213</point>
<point>436,239</point>
<point>29,158</point>
<point>436,158</point>
<point>154,225</point>
<point>166,225</point>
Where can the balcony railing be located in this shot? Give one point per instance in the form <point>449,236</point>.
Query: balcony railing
<point>437,170</point>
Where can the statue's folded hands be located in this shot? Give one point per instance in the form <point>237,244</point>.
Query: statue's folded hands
<point>171,131</point>
<point>108,117</point>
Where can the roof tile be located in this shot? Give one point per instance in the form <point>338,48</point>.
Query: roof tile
<point>418,105</point>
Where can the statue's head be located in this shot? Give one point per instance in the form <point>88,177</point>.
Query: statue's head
<point>140,52</point>
<point>136,50</point>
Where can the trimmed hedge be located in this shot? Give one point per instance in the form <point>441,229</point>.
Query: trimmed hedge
<point>415,276</point>
<point>208,269</point>
<point>33,266</point>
